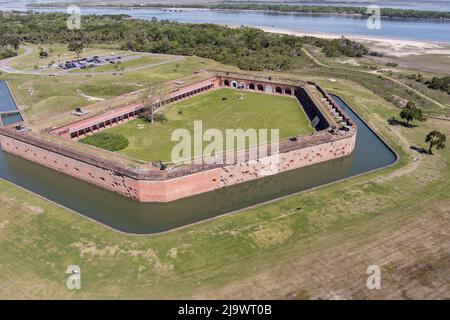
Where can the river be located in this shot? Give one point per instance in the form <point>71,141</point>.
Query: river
<point>421,30</point>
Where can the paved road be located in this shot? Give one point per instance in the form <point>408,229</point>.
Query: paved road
<point>6,67</point>
<point>440,105</point>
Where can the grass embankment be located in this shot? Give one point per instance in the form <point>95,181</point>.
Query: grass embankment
<point>314,245</point>
<point>220,109</point>
<point>372,74</point>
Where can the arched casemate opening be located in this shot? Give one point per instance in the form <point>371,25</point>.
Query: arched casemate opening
<point>278,90</point>
<point>234,84</point>
<point>297,91</point>
<point>260,87</point>
<point>226,83</point>
<point>288,91</point>
<point>242,85</point>
<point>251,86</point>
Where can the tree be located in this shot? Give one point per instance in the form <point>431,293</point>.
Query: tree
<point>411,112</point>
<point>78,52</point>
<point>435,139</point>
<point>151,99</point>
<point>7,53</point>
<point>42,53</point>
<point>74,46</point>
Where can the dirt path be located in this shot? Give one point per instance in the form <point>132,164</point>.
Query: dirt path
<point>89,98</point>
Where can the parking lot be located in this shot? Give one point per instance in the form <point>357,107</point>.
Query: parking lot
<point>91,62</point>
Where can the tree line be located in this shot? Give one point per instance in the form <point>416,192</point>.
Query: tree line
<point>385,12</point>
<point>245,47</point>
<point>435,83</point>
<point>288,8</point>
<point>338,47</point>
<point>442,84</point>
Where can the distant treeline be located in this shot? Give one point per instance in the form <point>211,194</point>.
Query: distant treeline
<point>385,12</point>
<point>247,48</point>
<point>328,9</point>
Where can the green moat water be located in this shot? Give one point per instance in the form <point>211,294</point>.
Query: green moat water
<point>146,218</point>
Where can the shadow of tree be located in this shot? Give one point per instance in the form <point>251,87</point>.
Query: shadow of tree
<point>419,149</point>
<point>394,122</point>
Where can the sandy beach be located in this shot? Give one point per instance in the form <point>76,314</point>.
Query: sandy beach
<point>388,46</point>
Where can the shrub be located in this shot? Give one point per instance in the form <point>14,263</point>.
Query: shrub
<point>160,117</point>
<point>7,53</point>
<point>108,141</point>
<point>74,46</point>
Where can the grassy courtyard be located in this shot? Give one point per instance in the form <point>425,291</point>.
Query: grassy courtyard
<point>220,109</point>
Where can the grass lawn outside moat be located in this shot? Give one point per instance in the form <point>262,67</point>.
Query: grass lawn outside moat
<point>309,245</point>
<point>219,109</point>
<point>313,245</point>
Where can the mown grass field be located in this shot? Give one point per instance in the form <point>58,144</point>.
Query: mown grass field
<point>220,109</point>
<point>317,244</point>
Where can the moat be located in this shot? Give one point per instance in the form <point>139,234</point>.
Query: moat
<point>130,216</point>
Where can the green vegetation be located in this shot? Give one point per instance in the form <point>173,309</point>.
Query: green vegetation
<point>328,9</point>
<point>442,84</point>
<point>385,12</point>
<point>121,65</point>
<point>338,47</point>
<point>75,46</point>
<point>51,97</point>
<point>9,44</point>
<point>417,77</point>
<point>221,109</point>
<point>256,253</point>
<point>391,89</point>
<point>58,53</point>
<point>410,112</point>
<point>246,48</point>
<point>106,140</point>
<point>6,52</point>
<point>435,139</point>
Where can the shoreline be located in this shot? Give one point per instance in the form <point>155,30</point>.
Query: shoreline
<point>325,35</point>
<point>127,7</point>
<point>393,46</point>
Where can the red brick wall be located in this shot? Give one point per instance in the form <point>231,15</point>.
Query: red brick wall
<point>175,188</point>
